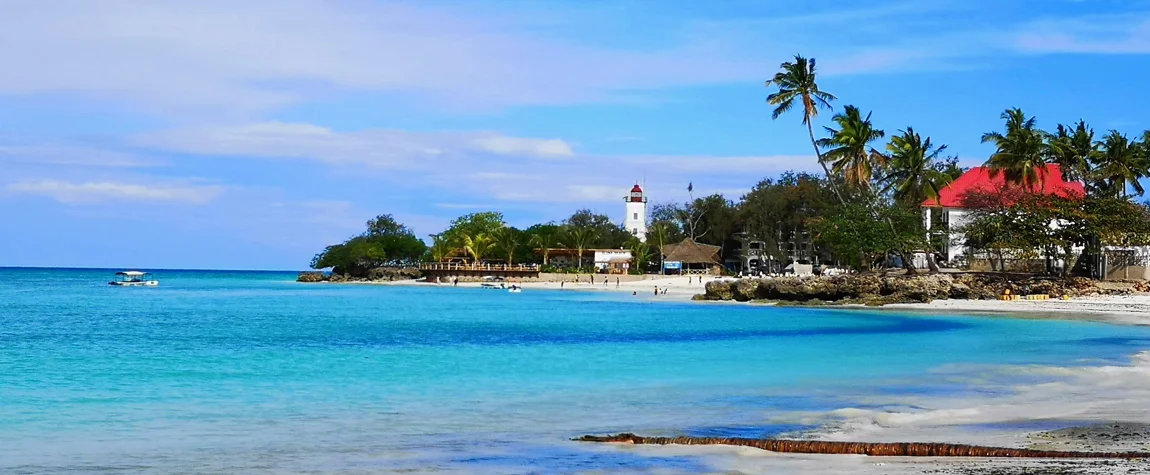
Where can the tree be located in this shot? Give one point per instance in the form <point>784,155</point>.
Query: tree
<point>544,237</point>
<point>913,173</point>
<point>607,235</point>
<point>478,245</point>
<point>778,211</point>
<point>797,81</point>
<point>384,243</point>
<point>660,233</point>
<point>386,225</point>
<point>1020,152</point>
<point>640,255</point>
<point>849,151</point>
<point>474,224</point>
<point>508,240</point>
<point>852,233</point>
<point>1075,151</point>
<point>581,238</point>
<point>440,248</point>
<point>1121,163</point>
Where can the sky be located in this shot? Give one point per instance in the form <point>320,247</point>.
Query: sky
<point>249,135</point>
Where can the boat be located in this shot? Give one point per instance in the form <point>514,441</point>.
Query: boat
<point>134,278</point>
<point>515,289</point>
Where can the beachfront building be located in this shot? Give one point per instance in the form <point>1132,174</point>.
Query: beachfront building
<point>603,260</point>
<point>635,221</point>
<point>953,208</point>
<point>690,257</point>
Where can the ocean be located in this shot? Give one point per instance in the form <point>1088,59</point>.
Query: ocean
<point>251,372</point>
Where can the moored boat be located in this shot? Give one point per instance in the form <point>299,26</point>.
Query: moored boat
<point>134,278</point>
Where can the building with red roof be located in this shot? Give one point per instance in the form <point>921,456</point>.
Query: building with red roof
<point>981,182</point>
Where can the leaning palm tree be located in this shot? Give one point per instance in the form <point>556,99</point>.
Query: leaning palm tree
<point>507,240</point>
<point>1121,163</point>
<point>1020,152</point>
<point>848,147</point>
<point>797,81</point>
<point>580,238</point>
<point>912,169</point>
<point>1074,150</point>
<point>477,246</point>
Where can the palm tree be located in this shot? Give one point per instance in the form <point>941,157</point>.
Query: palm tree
<point>658,232</point>
<point>507,240</point>
<point>1074,151</point>
<point>912,169</point>
<point>440,248</point>
<point>1020,152</point>
<point>849,147</point>
<point>478,246</point>
<point>640,254</point>
<point>797,81</point>
<point>580,238</point>
<point>1121,163</point>
<point>544,241</point>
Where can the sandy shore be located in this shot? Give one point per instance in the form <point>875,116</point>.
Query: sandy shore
<point>1124,310</point>
<point>678,288</point>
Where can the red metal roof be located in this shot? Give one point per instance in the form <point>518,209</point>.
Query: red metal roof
<point>636,189</point>
<point>979,179</point>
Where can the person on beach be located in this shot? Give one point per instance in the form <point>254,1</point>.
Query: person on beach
<point>561,284</point>
<point>616,282</point>
<point>605,279</point>
<point>656,290</point>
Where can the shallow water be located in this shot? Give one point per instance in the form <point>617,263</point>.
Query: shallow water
<point>249,372</point>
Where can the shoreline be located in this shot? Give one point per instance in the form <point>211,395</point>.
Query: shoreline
<point>1100,423</point>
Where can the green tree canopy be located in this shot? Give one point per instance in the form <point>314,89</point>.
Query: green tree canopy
<point>384,243</point>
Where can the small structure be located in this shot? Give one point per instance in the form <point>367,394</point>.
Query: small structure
<point>690,257</point>
<point>635,222</point>
<point>601,259</point>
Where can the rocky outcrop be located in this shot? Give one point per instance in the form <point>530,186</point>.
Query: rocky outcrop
<point>377,274</point>
<point>885,449</point>
<point>311,277</point>
<point>880,289</point>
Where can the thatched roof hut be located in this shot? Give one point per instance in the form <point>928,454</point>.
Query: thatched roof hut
<point>690,252</point>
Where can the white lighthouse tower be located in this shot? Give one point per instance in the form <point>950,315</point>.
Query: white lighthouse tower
<point>636,220</point>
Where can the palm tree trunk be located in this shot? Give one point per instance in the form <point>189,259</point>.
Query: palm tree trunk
<point>819,156</point>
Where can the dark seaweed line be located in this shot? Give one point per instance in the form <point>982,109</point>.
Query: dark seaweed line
<point>883,449</point>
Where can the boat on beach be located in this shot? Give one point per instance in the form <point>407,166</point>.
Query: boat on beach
<point>134,278</point>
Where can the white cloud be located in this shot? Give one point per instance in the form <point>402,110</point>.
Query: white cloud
<point>246,56</point>
<point>482,166</point>
<point>89,192</point>
<point>542,148</point>
<point>71,155</point>
<point>380,148</point>
<point>1118,34</point>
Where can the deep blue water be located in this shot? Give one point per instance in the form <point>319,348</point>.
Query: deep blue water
<point>250,372</point>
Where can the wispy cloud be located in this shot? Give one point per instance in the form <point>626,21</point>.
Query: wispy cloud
<point>382,148</point>
<point>266,54</point>
<point>55,154</point>
<point>1110,34</point>
<point>479,165</point>
<point>91,192</point>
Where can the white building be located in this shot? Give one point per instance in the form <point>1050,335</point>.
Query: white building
<point>635,222</point>
<point>607,258</point>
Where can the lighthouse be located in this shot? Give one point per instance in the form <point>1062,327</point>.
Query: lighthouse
<point>636,220</point>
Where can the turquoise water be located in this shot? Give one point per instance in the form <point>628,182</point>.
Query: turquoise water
<point>249,372</point>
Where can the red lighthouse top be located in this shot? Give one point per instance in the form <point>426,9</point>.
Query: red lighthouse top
<point>636,194</point>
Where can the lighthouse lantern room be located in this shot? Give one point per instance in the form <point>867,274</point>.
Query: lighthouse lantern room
<point>636,220</point>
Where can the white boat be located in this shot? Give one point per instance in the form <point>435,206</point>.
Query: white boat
<point>134,278</point>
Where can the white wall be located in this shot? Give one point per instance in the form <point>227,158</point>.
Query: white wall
<point>635,222</point>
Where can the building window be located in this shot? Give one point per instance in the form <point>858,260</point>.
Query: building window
<point>634,230</point>
<point>636,216</point>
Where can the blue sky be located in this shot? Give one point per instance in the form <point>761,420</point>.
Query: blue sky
<point>222,134</point>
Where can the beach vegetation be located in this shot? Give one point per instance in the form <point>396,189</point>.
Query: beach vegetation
<point>796,81</point>
<point>384,243</point>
